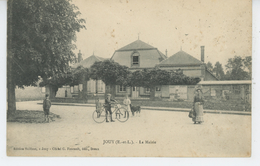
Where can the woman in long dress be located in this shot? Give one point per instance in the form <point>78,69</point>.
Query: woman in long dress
<point>198,106</point>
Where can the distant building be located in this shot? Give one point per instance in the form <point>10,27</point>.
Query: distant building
<point>86,90</point>
<point>189,65</point>
<point>239,90</point>
<point>137,55</point>
<point>140,55</point>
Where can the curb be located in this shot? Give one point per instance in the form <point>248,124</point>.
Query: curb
<point>164,109</point>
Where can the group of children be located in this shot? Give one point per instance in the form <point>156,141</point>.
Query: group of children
<point>107,105</point>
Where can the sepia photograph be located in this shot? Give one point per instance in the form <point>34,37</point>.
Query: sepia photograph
<point>129,78</point>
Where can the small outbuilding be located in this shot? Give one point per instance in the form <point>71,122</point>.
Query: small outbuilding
<point>227,90</point>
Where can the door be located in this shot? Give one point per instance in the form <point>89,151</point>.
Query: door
<point>135,92</point>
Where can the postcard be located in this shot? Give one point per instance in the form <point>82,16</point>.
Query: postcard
<point>129,78</point>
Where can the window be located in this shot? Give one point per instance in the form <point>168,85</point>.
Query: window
<point>43,90</point>
<point>100,85</point>
<point>122,88</point>
<point>147,90</point>
<point>76,88</point>
<point>158,88</point>
<point>71,89</point>
<point>135,59</point>
<point>80,87</point>
<point>89,86</point>
<point>134,88</point>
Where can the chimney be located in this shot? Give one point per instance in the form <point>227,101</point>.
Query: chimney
<point>202,53</point>
<point>166,52</point>
<point>79,57</point>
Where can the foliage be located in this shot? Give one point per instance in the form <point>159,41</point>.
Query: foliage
<point>110,72</point>
<point>237,66</point>
<point>247,62</point>
<point>153,77</point>
<point>218,71</point>
<point>42,35</point>
<point>209,66</point>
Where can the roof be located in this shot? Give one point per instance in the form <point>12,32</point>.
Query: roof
<point>138,44</point>
<point>180,58</point>
<point>88,62</point>
<point>229,82</point>
<point>149,55</point>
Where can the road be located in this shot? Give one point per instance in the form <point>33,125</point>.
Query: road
<point>153,133</point>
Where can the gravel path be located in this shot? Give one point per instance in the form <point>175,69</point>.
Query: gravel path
<point>168,134</point>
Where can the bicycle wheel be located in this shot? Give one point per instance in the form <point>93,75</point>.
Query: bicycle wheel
<point>99,117</point>
<point>122,114</point>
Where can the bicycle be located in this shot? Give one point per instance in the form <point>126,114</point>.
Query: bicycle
<point>120,113</point>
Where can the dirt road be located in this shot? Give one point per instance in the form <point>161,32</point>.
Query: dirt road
<point>153,133</point>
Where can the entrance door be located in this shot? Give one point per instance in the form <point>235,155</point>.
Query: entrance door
<point>135,92</point>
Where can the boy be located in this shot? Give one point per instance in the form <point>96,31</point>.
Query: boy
<point>98,107</point>
<point>46,107</point>
<point>108,103</point>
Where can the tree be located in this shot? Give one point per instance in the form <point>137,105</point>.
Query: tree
<point>72,77</point>
<point>218,71</point>
<point>248,65</point>
<point>154,77</point>
<point>236,68</point>
<point>209,66</point>
<point>110,72</point>
<point>40,41</point>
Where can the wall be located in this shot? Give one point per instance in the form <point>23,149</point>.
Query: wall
<point>29,93</point>
<point>123,93</point>
<point>184,92</point>
<point>147,58</point>
<point>143,92</point>
<point>61,92</point>
<point>227,92</point>
<point>88,92</point>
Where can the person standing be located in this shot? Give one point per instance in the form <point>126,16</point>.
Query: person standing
<point>127,103</point>
<point>198,106</point>
<point>46,108</point>
<point>98,107</point>
<point>108,102</point>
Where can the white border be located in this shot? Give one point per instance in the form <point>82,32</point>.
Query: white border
<point>33,161</point>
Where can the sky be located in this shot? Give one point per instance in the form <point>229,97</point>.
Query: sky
<point>224,27</point>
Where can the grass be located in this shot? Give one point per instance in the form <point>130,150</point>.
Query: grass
<point>26,116</point>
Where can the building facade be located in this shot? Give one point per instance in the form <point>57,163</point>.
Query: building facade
<point>137,55</point>
<point>189,65</point>
<point>140,55</point>
<point>87,90</point>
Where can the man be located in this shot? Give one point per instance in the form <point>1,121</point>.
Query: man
<point>108,102</point>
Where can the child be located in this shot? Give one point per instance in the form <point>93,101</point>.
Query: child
<point>46,107</point>
<point>127,103</point>
<point>107,105</point>
<point>98,106</point>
